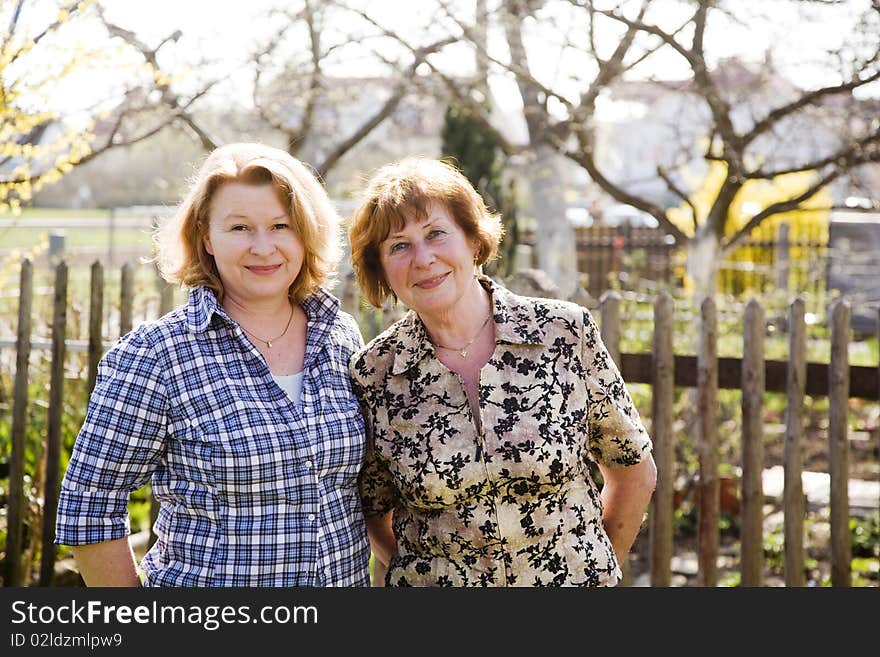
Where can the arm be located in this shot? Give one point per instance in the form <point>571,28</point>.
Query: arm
<point>375,483</point>
<point>625,497</point>
<point>110,563</point>
<point>119,446</point>
<point>618,443</point>
<point>382,540</point>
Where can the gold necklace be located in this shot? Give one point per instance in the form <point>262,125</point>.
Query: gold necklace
<point>269,342</point>
<point>463,350</point>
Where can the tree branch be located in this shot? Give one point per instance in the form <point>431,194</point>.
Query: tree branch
<point>675,189</point>
<point>169,97</point>
<point>385,111</point>
<point>732,147</point>
<point>863,150</point>
<point>811,98</point>
<point>584,157</point>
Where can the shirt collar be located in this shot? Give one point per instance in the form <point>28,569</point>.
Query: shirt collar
<point>320,307</point>
<point>515,323</point>
<point>200,308</point>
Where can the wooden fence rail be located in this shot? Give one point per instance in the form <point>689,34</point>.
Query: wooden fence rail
<point>660,368</point>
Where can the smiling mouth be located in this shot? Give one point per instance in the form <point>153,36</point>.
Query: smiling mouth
<point>430,283</point>
<point>263,269</point>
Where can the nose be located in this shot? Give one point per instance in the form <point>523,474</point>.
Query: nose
<point>262,243</point>
<point>423,255</point>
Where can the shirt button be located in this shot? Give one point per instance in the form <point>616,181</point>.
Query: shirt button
<point>307,409</point>
<point>308,464</point>
<point>311,516</point>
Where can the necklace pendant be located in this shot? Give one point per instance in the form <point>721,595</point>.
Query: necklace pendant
<point>463,353</point>
<point>269,344</point>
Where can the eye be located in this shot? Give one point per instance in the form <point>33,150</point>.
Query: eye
<point>435,233</point>
<point>397,247</point>
<point>281,226</point>
<point>237,228</point>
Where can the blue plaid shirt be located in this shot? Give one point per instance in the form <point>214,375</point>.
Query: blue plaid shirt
<point>254,491</point>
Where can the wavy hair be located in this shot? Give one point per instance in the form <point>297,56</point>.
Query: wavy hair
<point>179,241</point>
<point>404,190</point>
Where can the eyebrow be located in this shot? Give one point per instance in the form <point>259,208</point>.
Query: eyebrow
<point>427,223</point>
<point>237,215</point>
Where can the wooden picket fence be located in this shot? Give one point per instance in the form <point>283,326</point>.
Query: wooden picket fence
<point>605,254</point>
<point>662,369</point>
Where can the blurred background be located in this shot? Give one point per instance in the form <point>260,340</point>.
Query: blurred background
<point>722,150</point>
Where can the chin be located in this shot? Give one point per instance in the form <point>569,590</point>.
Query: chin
<point>433,306</point>
<point>269,293</point>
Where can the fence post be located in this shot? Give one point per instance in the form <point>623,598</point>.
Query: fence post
<point>53,441</point>
<point>391,312</point>
<point>793,489</point>
<point>662,401</point>
<point>838,444</point>
<point>15,514</point>
<point>349,297</point>
<point>96,317</point>
<point>609,305</point>
<point>126,298</point>
<point>166,296</point>
<point>56,247</point>
<point>708,489</point>
<point>523,257</point>
<point>111,238</point>
<point>753,384</point>
<point>783,257</point>
<point>166,304</point>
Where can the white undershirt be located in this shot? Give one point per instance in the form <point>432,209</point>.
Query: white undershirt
<point>291,384</point>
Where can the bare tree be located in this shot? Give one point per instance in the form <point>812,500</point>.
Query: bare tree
<point>306,99</point>
<point>549,116</point>
<point>758,128</point>
<point>155,97</point>
<point>301,96</point>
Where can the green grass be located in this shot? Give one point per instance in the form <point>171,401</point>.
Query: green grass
<point>55,213</point>
<point>28,231</point>
<point>27,237</point>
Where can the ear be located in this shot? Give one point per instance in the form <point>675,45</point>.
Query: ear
<point>206,240</point>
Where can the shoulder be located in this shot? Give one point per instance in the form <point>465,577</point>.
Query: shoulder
<point>375,359</point>
<point>538,319</point>
<point>557,309</point>
<point>154,337</point>
<point>143,358</point>
<point>329,325</point>
<point>346,331</point>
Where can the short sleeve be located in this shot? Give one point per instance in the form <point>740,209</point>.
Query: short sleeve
<point>377,490</point>
<point>616,433</point>
<point>378,493</point>
<point>120,444</point>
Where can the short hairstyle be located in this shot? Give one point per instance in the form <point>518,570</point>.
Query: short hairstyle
<point>403,190</point>
<point>179,241</point>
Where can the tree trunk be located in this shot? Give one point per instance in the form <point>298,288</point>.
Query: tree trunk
<point>554,237</point>
<point>703,261</point>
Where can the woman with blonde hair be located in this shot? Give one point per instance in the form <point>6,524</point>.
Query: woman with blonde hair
<point>237,407</point>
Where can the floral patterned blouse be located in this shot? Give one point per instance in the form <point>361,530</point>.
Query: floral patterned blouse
<point>515,505</point>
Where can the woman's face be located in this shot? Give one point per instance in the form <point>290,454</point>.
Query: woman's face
<point>429,263</point>
<point>251,236</point>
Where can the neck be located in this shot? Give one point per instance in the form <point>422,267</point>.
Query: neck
<point>458,324</point>
<point>257,311</point>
